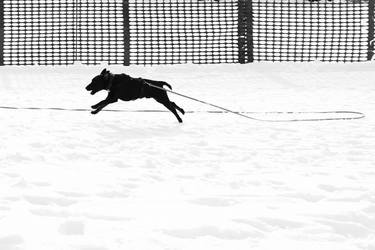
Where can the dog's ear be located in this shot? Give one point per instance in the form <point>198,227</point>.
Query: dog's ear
<point>105,71</point>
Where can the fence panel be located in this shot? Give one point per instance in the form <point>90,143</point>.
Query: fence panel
<point>300,30</point>
<point>100,31</point>
<point>175,31</point>
<point>39,32</point>
<point>49,32</point>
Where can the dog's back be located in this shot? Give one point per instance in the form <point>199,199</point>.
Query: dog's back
<point>126,87</point>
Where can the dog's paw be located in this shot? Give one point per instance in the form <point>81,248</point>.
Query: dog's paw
<point>93,106</point>
<point>94,112</point>
<point>182,111</point>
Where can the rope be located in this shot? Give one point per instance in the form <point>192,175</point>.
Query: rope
<point>359,114</point>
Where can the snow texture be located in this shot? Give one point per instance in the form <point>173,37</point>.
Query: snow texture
<point>70,180</point>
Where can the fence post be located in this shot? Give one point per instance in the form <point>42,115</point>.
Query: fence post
<point>1,32</point>
<point>245,31</point>
<point>250,42</point>
<point>125,14</point>
<point>370,30</point>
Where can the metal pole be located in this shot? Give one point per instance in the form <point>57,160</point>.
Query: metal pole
<point>1,32</point>
<point>249,25</point>
<point>245,31</point>
<point>241,33</point>
<point>370,29</point>
<point>125,13</point>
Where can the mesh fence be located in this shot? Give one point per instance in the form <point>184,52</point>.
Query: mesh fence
<point>172,31</point>
<point>100,31</point>
<point>298,30</point>
<point>62,32</point>
<point>182,31</point>
<point>38,32</point>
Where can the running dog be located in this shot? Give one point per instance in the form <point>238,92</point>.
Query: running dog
<point>126,88</point>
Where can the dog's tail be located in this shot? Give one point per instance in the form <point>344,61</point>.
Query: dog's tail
<point>168,85</point>
<point>159,84</point>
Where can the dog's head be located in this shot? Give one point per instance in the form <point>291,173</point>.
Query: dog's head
<point>99,82</point>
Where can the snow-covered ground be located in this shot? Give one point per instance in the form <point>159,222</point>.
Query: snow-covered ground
<point>141,181</point>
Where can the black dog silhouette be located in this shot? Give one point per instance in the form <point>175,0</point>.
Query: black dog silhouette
<point>126,88</point>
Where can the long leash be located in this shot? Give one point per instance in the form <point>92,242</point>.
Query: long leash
<point>197,100</point>
<point>359,114</point>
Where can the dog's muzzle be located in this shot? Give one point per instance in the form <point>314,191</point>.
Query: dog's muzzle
<point>89,89</point>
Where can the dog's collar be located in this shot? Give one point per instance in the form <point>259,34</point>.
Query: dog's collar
<point>110,81</point>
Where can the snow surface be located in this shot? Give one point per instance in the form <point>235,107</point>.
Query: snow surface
<point>131,180</point>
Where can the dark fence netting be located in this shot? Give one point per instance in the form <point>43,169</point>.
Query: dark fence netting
<point>174,31</point>
<point>100,31</point>
<point>60,32</point>
<point>297,30</point>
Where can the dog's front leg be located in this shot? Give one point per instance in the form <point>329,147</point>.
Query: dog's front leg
<point>98,104</point>
<point>102,104</point>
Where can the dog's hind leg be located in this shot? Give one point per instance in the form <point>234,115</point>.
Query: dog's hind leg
<point>178,108</point>
<point>161,97</point>
<point>172,108</point>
